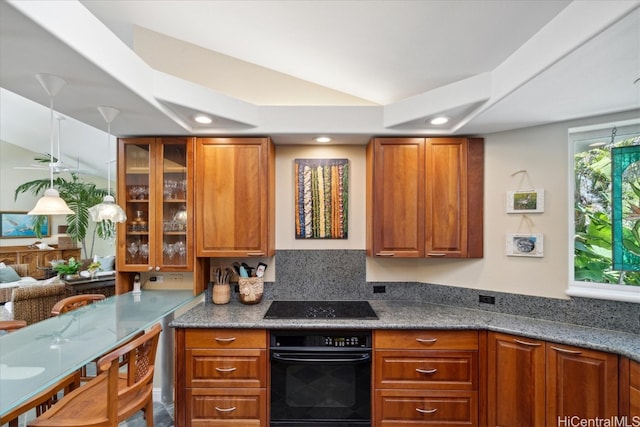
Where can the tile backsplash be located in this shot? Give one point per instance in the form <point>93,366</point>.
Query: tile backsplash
<point>341,274</point>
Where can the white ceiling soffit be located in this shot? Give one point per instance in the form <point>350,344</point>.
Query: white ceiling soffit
<point>496,89</point>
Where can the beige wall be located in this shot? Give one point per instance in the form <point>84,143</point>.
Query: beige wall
<point>10,178</point>
<point>542,151</point>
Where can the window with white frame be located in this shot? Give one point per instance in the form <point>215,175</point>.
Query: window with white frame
<point>604,217</point>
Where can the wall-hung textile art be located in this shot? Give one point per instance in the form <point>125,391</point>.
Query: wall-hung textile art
<point>20,224</point>
<point>625,171</point>
<point>321,198</point>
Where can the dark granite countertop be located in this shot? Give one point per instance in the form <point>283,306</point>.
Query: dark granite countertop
<point>417,315</point>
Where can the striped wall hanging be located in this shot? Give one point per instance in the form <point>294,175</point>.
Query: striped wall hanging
<point>321,198</point>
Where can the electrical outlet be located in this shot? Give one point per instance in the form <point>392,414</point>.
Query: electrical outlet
<point>486,299</point>
<point>157,279</point>
<point>379,289</point>
<point>175,277</point>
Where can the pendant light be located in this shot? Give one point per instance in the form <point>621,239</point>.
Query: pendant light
<point>108,210</point>
<point>51,203</point>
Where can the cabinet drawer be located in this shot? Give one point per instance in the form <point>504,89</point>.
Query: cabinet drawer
<point>425,408</point>
<point>426,339</point>
<point>426,369</point>
<point>226,338</point>
<point>225,408</point>
<point>224,368</point>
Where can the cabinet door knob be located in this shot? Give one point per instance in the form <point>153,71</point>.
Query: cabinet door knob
<point>158,268</point>
<point>150,268</point>
<point>426,371</point>
<point>427,411</point>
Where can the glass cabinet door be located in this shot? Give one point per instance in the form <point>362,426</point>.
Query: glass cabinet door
<point>155,175</point>
<point>138,186</point>
<point>175,225</point>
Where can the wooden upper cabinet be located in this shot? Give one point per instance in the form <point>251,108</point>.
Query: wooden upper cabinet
<point>425,197</point>
<point>235,200</point>
<point>396,197</point>
<point>155,188</point>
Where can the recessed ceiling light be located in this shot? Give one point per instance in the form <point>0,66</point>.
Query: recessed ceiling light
<point>205,120</point>
<point>323,139</point>
<point>439,120</point>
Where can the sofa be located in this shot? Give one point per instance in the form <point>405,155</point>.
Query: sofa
<point>34,303</point>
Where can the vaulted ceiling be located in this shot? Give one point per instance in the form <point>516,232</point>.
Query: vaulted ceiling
<point>297,69</point>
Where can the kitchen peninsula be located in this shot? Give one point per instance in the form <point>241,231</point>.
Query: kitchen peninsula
<point>396,321</point>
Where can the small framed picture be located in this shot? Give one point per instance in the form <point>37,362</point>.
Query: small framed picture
<point>525,201</point>
<point>531,245</point>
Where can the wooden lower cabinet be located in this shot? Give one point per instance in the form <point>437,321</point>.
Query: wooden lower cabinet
<point>580,383</point>
<point>221,377</point>
<point>629,381</point>
<point>516,381</point>
<point>536,383</point>
<point>425,378</point>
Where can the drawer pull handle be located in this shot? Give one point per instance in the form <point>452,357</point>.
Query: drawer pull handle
<point>225,369</point>
<point>427,371</point>
<point>436,254</point>
<point>255,253</point>
<point>564,350</point>
<point>527,343</point>
<point>426,341</point>
<point>233,408</point>
<point>427,411</point>
<point>225,340</point>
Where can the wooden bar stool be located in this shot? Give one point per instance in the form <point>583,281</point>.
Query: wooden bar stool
<point>111,397</point>
<point>11,325</point>
<point>43,400</point>
<point>74,302</point>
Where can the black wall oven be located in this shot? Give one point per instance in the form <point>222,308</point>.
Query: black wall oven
<point>320,378</point>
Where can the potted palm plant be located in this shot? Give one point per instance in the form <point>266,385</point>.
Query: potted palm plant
<point>79,195</point>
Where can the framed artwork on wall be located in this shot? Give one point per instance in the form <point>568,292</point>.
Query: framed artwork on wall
<point>525,201</point>
<point>529,245</point>
<point>15,225</point>
<point>321,198</point>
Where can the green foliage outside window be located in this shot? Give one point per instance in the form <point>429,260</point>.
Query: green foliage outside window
<point>593,217</point>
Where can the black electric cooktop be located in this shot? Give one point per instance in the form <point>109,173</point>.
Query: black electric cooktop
<point>320,310</point>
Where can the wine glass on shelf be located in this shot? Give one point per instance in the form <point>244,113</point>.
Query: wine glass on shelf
<point>180,249</point>
<point>144,251</point>
<point>170,250</point>
<point>133,250</point>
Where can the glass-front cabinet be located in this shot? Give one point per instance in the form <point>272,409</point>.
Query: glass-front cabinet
<point>155,189</point>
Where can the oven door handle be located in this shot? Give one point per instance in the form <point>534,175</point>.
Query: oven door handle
<point>313,358</point>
